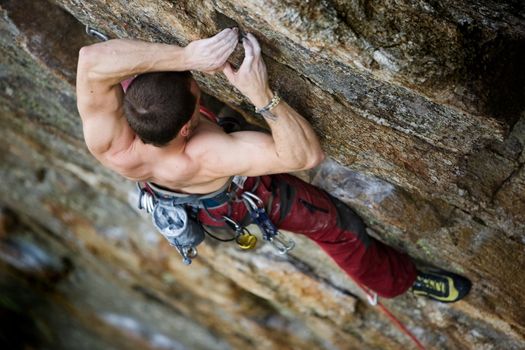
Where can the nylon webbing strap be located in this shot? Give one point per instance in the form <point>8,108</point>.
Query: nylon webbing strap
<point>171,197</point>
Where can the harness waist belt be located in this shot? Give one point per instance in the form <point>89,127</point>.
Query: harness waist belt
<point>209,200</point>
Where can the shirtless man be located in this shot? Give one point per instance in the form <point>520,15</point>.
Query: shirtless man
<point>156,133</point>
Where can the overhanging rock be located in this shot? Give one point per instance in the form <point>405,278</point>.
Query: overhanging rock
<point>408,96</point>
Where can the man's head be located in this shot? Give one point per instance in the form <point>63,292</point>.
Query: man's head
<point>159,105</point>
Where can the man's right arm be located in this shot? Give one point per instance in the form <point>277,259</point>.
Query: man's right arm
<point>293,144</point>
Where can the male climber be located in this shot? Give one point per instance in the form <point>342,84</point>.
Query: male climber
<point>156,132</point>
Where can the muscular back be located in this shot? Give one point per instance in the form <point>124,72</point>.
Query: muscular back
<point>177,166</point>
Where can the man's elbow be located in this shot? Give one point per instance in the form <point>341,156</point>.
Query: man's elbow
<point>86,56</point>
<point>316,159</point>
<point>312,161</point>
<point>90,56</point>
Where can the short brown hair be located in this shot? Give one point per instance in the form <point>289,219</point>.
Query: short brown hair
<point>157,105</point>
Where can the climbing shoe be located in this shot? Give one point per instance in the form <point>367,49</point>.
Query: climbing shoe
<point>443,286</point>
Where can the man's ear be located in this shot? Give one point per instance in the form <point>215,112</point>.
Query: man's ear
<point>185,130</point>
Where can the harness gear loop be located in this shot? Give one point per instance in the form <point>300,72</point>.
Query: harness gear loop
<point>220,219</point>
<point>259,216</point>
<point>146,199</point>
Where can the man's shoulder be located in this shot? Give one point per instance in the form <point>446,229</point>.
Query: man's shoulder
<point>207,141</point>
<point>128,163</point>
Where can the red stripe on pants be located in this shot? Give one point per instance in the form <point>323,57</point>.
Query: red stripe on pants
<point>335,228</point>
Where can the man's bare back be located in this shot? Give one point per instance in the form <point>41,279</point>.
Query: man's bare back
<point>201,158</point>
<point>175,167</point>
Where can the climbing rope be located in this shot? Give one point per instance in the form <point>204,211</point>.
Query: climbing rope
<point>373,300</point>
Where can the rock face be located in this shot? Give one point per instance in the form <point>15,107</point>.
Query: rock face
<point>422,105</point>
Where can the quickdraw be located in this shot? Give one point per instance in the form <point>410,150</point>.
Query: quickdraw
<point>270,232</point>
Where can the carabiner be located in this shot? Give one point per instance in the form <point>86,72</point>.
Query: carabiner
<point>246,240</point>
<point>251,197</point>
<point>95,33</point>
<point>260,217</point>
<point>250,204</point>
<point>282,244</point>
<point>233,224</point>
<point>146,200</point>
<point>188,253</point>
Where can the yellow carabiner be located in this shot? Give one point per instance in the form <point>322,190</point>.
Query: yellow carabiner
<point>246,240</point>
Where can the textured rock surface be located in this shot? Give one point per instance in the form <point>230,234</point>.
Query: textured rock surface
<point>422,101</point>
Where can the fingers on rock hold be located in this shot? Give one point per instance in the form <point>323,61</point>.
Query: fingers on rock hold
<point>254,43</point>
<point>248,48</point>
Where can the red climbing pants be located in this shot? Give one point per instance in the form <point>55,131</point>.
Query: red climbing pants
<point>299,207</point>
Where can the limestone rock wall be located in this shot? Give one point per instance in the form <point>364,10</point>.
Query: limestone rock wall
<point>420,104</point>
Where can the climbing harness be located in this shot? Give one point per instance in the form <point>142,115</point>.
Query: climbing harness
<point>259,216</point>
<point>175,217</point>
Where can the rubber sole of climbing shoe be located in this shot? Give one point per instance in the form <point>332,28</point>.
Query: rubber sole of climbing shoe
<point>443,286</point>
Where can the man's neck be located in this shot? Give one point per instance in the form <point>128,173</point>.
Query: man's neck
<point>178,145</point>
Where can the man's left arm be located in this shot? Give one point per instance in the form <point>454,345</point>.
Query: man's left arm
<point>101,68</point>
